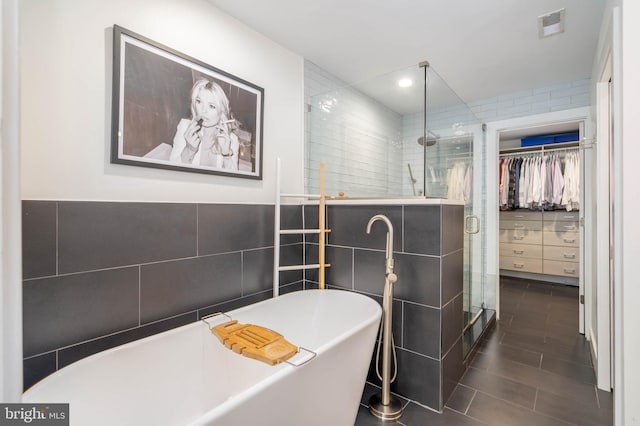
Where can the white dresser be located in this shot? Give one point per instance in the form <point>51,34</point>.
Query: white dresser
<point>540,242</point>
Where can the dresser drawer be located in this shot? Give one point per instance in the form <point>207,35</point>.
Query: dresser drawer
<point>564,254</point>
<point>521,264</point>
<point>560,226</point>
<point>531,251</point>
<point>561,238</point>
<point>567,269</point>
<point>526,225</point>
<point>520,236</point>
<point>561,216</point>
<point>520,215</point>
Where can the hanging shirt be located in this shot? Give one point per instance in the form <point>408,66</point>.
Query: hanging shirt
<point>521,192</point>
<point>557,182</point>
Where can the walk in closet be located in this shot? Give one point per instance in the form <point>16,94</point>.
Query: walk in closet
<point>539,203</point>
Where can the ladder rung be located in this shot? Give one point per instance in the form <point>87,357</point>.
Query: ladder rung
<point>303,231</point>
<point>299,267</point>
<point>300,195</point>
<point>299,231</point>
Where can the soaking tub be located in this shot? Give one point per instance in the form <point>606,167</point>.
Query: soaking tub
<point>186,376</point>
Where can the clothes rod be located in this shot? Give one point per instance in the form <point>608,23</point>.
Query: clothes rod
<point>506,153</point>
<point>584,143</point>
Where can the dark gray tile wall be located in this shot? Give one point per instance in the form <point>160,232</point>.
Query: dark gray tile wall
<point>64,310</point>
<point>233,227</point>
<point>452,238</point>
<point>188,284</point>
<point>452,275</point>
<point>100,274</point>
<point>422,334</point>
<point>418,378</point>
<point>452,322</point>
<point>348,226</point>
<point>39,239</point>
<point>422,229</point>
<point>94,235</point>
<point>452,369</point>
<point>427,308</point>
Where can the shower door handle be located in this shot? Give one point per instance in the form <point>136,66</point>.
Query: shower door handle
<point>468,220</point>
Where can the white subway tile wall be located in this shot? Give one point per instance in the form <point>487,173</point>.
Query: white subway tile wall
<point>357,138</point>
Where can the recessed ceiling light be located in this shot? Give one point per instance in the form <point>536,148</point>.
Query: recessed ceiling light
<point>551,23</point>
<point>405,82</point>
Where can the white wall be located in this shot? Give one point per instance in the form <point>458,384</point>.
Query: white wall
<point>630,207</point>
<point>66,69</point>
<point>11,229</point>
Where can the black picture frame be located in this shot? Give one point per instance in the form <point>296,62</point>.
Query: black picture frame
<point>169,112</point>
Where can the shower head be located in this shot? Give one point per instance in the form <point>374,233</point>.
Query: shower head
<point>431,139</point>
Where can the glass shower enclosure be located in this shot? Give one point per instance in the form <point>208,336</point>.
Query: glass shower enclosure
<point>402,134</point>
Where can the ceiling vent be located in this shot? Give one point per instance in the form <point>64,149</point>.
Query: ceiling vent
<point>551,23</point>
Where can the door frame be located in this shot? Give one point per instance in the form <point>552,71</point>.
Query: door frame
<point>601,344</point>
<point>580,115</point>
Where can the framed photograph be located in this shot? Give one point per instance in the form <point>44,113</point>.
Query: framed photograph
<point>175,112</point>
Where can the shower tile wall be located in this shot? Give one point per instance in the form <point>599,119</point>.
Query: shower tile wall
<point>100,274</point>
<point>427,308</point>
<point>357,137</point>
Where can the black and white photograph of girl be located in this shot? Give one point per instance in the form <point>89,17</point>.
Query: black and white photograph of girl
<point>177,113</point>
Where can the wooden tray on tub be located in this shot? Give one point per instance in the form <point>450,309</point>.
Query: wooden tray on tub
<point>254,341</point>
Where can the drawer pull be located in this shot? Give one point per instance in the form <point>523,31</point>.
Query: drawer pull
<point>518,251</point>
<point>518,226</point>
<point>569,255</point>
<point>570,271</point>
<point>568,217</point>
<point>518,237</point>
<point>518,265</point>
<point>519,216</point>
<point>568,240</point>
<point>570,227</point>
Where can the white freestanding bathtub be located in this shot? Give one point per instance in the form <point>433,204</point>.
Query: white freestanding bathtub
<point>185,376</point>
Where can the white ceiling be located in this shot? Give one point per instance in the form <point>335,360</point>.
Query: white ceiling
<point>480,48</point>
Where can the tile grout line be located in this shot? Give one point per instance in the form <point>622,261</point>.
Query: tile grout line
<point>466,410</point>
<point>541,356</point>
<point>139,295</point>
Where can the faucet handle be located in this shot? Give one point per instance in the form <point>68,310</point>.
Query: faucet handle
<point>392,277</point>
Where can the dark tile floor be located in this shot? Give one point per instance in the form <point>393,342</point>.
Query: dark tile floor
<point>532,368</point>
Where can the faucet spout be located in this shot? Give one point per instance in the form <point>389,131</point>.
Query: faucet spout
<point>389,246</point>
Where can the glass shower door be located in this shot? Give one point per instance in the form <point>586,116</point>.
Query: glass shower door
<point>476,316</point>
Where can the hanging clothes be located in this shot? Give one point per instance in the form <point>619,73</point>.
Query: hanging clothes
<point>571,192</point>
<point>540,181</point>
<point>459,182</point>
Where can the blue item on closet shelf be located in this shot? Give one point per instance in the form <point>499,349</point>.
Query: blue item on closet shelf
<point>550,139</point>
